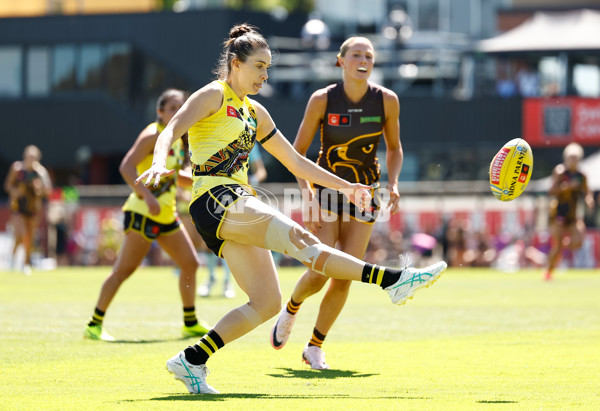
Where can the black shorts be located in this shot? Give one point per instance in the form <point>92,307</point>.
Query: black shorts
<point>147,227</point>
<point>208,211</point>
<point>337,203</point>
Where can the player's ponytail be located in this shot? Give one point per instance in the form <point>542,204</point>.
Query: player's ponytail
<point>243,40</point>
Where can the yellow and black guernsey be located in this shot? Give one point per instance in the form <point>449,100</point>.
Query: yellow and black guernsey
<point>350,134</point>
<point>167,188</point>
<point>220,144</point>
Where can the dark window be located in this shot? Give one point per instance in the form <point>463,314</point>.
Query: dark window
<point>91,59</point>
<point>11,71</point>
<point>38,71</point>
<point>63,68</point>
<point>118,63</point>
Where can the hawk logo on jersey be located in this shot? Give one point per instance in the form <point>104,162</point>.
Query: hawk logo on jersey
<point>353,154</point>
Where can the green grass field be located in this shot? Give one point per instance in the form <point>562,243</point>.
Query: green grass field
<point>477,339</point>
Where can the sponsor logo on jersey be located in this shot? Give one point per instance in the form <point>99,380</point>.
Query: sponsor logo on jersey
<point>355,110</point>
<point>338,120</point>
<point>374,119</point>
<point>232,112</point>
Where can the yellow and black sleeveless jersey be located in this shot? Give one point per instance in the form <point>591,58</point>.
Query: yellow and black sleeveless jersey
<point>166,190</point>
<point>350,134</point>
<point>564,206</point>
<point>220,144</point>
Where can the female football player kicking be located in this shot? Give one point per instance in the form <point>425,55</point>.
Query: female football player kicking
<point>222,125</point>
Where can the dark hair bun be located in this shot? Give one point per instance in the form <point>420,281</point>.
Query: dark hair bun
<point>240,29</point>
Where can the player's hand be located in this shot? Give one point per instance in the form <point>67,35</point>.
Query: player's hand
<point>359,195</point>
<point>153,204</point>
<point>154,173</point>
<point>393,204</point>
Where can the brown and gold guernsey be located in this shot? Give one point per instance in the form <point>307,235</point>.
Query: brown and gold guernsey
<point>350,134</point>
<point>563,208</point>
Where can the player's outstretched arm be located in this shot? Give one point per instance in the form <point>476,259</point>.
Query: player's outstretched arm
<point>201,104</point>
<point>278,146</point>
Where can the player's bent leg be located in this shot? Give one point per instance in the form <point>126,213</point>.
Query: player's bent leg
<point>280,233</point>
<point>255,273</point>
<point>132,251</point>
<point>308,284</point>
<point>577,234</point>
<point>332,304</point>
<point>557,234</point>
<point>254,270</point>
<point>179,247</point>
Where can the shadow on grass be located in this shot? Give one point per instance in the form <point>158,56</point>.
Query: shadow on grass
<point>224,397</point>
<point>308,374</point>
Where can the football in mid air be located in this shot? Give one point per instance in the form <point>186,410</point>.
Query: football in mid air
<point>510,170</point>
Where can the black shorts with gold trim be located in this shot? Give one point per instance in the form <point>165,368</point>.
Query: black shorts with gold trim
<point>337,203</point>
<point>208,211</point>
<point>147,227</point>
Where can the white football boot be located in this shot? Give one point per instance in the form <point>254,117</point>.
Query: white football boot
<point>282,329</point>
<point>413,279</point>
<point>193,376</point>
<point>315,357</point>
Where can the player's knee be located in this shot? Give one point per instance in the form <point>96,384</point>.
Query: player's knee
<point>300,235</point>
<point>268,308</point>
<point>338,285</point>
<point>289,238</point>
<point>314,281</point>
<point>190,265</point>
<point>271,310</point>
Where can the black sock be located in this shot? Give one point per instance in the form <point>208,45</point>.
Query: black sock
<point>97,318</point>
<point>200,353</point>
<point>377,274</point>
<point>189,316</point>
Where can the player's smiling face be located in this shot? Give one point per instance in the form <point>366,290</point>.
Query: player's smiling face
<point>359,60</point>
<point>254,71</point>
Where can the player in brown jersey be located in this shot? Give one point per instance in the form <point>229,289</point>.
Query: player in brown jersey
<point>569,184</point>
<point>27,184</point>
<point>351,116</point>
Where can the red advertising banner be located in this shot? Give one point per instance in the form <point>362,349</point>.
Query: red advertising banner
<point>558,121</point>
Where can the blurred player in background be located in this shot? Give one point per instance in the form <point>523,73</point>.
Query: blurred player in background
<point>150,216</point>
<point>223,125</point>
<point>27,184</point>
<point>352,116</point>
<point>569,185</point>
